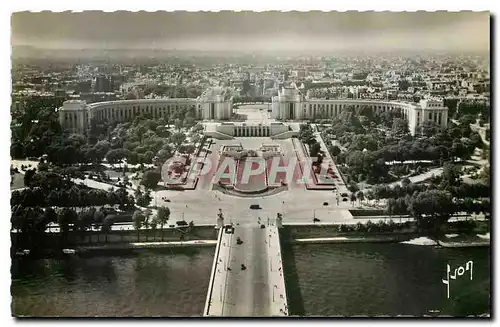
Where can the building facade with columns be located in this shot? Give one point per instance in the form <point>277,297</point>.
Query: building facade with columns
<point>216,104</point>
<point>290,104</point>
<point>75,115</point>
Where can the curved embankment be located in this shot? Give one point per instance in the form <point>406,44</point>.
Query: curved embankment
<point>231,191</point>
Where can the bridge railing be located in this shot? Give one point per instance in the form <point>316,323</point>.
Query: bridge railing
<point>206,310</point>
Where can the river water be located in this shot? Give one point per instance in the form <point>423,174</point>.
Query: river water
<point>385,279</point>
<point>336,279</point>
<point>147,283</point>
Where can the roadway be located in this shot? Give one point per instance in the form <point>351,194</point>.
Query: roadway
<point>256,291</point>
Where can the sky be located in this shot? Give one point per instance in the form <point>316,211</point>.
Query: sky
<point>254,31</point>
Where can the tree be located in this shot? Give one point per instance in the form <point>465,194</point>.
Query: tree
<point>334,151</point>
<point>429,128</point>
<point>306,134</point>
<point>400,126</point>
<point>315,150</point>
<point>28,176</point>
<point>65,218</point>
<point>458,150</point>
<point>148,157</point>
<point>99,217</point>
<point>450,177</point>
<point>85,218</point>
<point>486,207</point>
<point>163,216</point>
<point>361,196</point>
<point>138,192</point>
<point>164,154</point>
<point>138,219</point>
<point>353,199</point>
<point>467,205</point>
<point>147,221</point>
<point>484,175</point>
<point>189,122</point>
<point>116,155</point>
<point>397,206</point>
<point>432,208</point>
<point>144,199</point>
<point>353,188</point>
<point>106,226</point>
<point>467,119</point>
<point>178,124</point>
<point>188,148</point>
<point>122,198</point>
<point>16,150</point>
<point>151,178</point>
<point>369,195</point>
<point>198,128</point>
<point>154,224</point>
<point>50,215</point>
<point>178,138</point>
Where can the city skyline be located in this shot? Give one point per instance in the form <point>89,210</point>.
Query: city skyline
<point>368,32</point>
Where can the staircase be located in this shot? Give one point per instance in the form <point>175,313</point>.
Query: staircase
<point>285,135</point>
<point>218,135</point>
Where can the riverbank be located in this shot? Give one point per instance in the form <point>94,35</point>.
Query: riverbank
<point>344,239</point>
<point>420,241</point>
<point>144,245</point>
<point>404,234</point>
<point>115,248</point>
<point>463,241</point>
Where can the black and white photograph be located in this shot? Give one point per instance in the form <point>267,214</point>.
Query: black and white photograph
<point>250,164</point>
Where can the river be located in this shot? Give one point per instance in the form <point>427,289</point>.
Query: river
<point>147,283</point>
<point>384,279</point>
<point>335,279</point>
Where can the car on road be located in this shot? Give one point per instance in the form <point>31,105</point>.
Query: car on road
<point>343,194</point>
<point>325,203</point>
<point>255,206</point>
<point>345,199</point>
<point>238,240</point>
<point>229,229</point>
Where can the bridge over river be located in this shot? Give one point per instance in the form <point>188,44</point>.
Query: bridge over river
<point>259,290</point>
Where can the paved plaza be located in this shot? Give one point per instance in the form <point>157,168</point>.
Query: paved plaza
<point>257,113</point>
<point>297,203</point>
